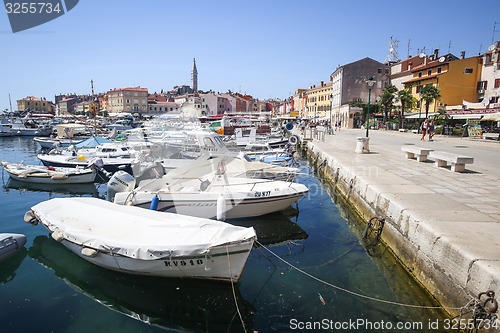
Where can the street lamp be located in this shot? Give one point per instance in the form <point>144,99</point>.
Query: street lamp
<point>419,112</point>
<point>315,109</point>
<point>331,108</point>
<point>370,82</point>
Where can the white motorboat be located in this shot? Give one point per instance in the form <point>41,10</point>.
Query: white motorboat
<point>145,242</point>
<point>48,174</point>
<point>10,244</point>
<point>67,134</point>
<point>114,156</point>
<point>207,191</point>
<point>29,127</point>
<point>6,128</point>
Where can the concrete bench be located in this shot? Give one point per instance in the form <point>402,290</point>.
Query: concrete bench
<point>420,152</point>
<point>493,136</point>
<point>403,130</point>
<point>414,131</point>
<point>458,162</point>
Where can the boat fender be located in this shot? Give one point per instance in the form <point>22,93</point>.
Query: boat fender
<point>81,157</point>
<point>57,235</point>
<point>154,203</point>
<point>10,244</point>
<point>289,126</point>
<point>29,217</point>
<point>88,252</point>
<point>293,140</point>
<point>59,176</point>
<point>221,208</point>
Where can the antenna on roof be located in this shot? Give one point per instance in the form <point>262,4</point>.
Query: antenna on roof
<point>409,48</point>
<point>494,30</point>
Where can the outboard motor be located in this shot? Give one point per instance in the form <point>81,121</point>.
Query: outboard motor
<point>121,181</point>
<point>99,165</point>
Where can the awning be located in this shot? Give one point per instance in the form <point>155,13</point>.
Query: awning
<point>466,116</point>
<point>416,115</point>
<point>491,117</point>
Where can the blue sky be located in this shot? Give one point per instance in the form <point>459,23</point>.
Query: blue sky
<point>262,48</point>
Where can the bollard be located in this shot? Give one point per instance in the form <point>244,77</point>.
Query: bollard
<point>362,145</point>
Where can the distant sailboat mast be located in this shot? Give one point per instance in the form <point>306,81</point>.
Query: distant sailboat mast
<point>10,103</point>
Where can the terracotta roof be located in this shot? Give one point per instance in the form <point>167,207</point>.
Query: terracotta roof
<point>130,89</point>
<point>31,98</point>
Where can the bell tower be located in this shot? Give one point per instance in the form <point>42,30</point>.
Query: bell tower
<point>194,77</point>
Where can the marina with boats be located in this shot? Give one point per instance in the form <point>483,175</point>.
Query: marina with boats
<point>269,210</point>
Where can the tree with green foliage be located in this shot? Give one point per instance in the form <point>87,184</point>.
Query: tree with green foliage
<point>429,94</point>
<point>387,100</point>
<point>406,98</point>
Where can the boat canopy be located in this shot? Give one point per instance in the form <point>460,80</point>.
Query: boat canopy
<point>135,232</point>
<point>68,130</point>
<point>92,142</point>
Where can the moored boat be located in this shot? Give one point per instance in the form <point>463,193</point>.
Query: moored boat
<point>145,242</point>
<point>199,191</point>
<point>10,244</point>
<point>49,174</point>
<point>177,305</point>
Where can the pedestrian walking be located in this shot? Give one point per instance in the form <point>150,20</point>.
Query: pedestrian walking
<point>431,129</point>
<point>302,126</point>
<point>423,129</point>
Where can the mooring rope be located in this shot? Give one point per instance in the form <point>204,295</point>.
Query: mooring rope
<point>234,292</point>
<point>371,298</point>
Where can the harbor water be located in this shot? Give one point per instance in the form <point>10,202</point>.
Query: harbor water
<point>310,269</point>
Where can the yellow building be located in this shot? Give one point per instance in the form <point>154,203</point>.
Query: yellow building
<point>133,100</point>
<point>34,104</point>
<point>319,101</point>
<point>87,108</point>
<point>455,78</point>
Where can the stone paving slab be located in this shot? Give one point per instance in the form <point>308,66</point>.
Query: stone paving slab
<point>451,219</point>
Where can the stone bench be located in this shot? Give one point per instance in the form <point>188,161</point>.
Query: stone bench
<point>403,130</point>
<point>414,131</point>
<point>458,162</point>
<point>493,136</point>
<point>412,151</point>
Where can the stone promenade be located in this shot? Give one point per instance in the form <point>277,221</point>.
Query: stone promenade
<point>444,226</point>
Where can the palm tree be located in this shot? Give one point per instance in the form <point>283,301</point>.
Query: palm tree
<point>429,94</point>
<point>406,99</point>
<point>387,99</point>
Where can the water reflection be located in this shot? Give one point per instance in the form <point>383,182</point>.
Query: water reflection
<point>72,189</point>
<point>8,267</point>
<point>273,228</point>
<point>185,305</point>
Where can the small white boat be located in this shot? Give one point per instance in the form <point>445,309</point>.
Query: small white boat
<point>10,244</point>
<point>48,174</point>
<point>6,128</point>
<point>67,134</point>
<point>206,190</point>
<point>145,242</point>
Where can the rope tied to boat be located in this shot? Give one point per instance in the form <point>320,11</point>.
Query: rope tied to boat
<point>350,292</point>
<point>234,291</point>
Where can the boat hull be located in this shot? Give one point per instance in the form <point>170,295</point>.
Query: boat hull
<point>43,175</point>
<point>111,165</point>
<point>48,143</point>
<point>216,265</point>
<point>205,204</point>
